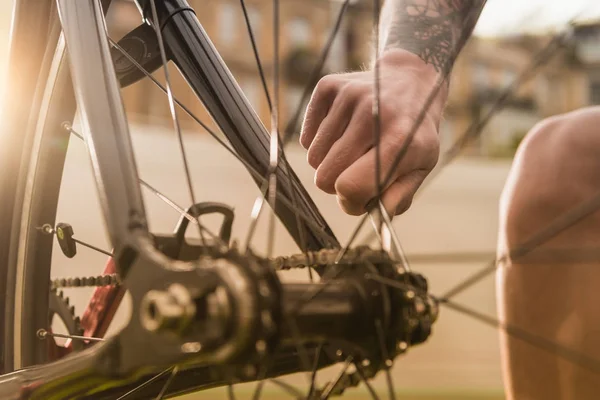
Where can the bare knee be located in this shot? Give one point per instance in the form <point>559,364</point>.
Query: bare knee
<point>555,172</point>
<point>556,167</point>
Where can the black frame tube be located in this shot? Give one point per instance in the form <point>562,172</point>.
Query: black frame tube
<point>192,51</point>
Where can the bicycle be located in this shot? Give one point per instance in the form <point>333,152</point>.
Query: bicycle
<point>213,313</point>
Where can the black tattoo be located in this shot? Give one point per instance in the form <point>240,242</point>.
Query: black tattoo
<point>435,30</point>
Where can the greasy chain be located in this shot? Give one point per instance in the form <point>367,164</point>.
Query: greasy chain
<point>319,258</point>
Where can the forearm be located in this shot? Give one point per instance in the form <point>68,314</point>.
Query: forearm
<point>434,30</point>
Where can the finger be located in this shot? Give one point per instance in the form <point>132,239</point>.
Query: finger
<point>330,130</point>
<point>352,145</point>
<point>317,109</point>
<point>398,198</point>
<point>357,183</point>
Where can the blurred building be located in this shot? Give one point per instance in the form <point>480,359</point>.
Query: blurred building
<point>304,29</point>
<point>484,70</point>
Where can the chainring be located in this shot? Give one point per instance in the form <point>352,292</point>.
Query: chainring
<point>58,305</point>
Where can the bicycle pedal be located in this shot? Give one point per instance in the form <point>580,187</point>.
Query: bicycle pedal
<point>141,45</point>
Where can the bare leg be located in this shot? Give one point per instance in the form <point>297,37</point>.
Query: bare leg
<point>556,169</point>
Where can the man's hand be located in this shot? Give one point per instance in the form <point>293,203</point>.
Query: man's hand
<point>338,132</point>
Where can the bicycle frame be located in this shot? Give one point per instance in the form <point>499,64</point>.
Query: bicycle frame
<point>120,362</point>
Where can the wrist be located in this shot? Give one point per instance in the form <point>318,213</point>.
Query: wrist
<point>403,61</point>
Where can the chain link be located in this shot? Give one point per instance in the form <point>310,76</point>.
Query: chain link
<point>89,281</point>
<point>326,257</point>
<point>311,259</point>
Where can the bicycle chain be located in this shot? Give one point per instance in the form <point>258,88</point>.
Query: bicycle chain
<point>86,281</point>
<point>310,259</point>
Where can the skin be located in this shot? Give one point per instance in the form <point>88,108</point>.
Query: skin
<point>554,171</point>
<point>419,41</point>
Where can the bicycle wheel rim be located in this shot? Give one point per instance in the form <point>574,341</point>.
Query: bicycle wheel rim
<point>31,192</point>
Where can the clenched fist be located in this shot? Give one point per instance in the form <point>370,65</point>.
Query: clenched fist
<point>338,132</point>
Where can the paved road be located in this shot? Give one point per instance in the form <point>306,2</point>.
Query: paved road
<point>456,213</point>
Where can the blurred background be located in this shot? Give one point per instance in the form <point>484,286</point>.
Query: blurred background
<point>449,232</point>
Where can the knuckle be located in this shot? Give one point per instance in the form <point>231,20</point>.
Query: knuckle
<point>352,91</point>
<point>349,188</point>
<point>313,157</point>
<point>349,207</point>
<point>324,182</point>
<point>326,85</point>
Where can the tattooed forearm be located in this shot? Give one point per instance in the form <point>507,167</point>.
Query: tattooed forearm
<point>435,30</point>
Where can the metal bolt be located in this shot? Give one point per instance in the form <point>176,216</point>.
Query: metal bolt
<point>402,346</point>
<point>169,310</point>
<point>389,363</point>
<point>409,294</point>
<point>261,346</point>
<point>191,347</point>
<point>434,309</point>
<point>366,362</point>
<point>47,229</point>
<point>339,353</point>
<point>420,306</point>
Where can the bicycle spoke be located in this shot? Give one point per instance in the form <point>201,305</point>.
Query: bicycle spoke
<point>476,128</point>
<point>313,374</point>
<point>471,280</point>
<point>143,385</point>
<point>275,154</point>
<point>315,74</point>
<point>262,374</point>
<point>366,382</point>
<point>268,97</point>
<point>230,392</point>
<point>390,282</point>
<point>376,114</point>
<point>308,296</point>
<point>387,361</point>
<point>556,226</point>
<point>398,251</point>
<point>541,256</point>
<point>174,372</point>
<point>256,55</point>
<point>42,334</point>
<point>173,111</point>
<point>274,147</point>
<point>316,228</point>
<point>300,348</point>
<point>254,215</point>
<point>47,229</point>
<point>542,343</point>
<point>258,390</point>
<point>537,341</point>
<point>332,385</point>
<point>352,238</point>
<point>164,90</point>
<point>287,387</point>
<point>161,196</point>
